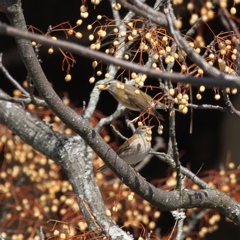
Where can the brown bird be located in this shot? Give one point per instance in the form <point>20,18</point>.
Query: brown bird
<point>136,148</point>
<point>132,97</point>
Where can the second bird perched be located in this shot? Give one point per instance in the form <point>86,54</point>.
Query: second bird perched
<point>135,149</point>
<point>131,97</point>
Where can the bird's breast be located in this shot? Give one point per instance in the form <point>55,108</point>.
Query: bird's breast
<point>137,152</point>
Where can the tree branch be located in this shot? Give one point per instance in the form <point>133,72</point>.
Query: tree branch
<point>222,80</point>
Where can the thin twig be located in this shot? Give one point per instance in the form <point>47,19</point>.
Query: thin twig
<point>24,101</point>
<point>11,79</point>
<point>105,121</point>
<point>184,171</point>
<point>118,133</point>
<point>175,152</point>
<point>212,107</point>
<point>193,221</point>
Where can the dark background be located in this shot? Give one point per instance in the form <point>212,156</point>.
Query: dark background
<point>214,133</point>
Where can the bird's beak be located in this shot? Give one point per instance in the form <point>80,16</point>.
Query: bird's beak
<point>149,129</point>
<point>102,86</point>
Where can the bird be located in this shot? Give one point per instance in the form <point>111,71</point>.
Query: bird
<point>136,148</point>
<point>132,98</point>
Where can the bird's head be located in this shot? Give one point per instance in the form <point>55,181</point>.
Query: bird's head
<point>111,85</point>
<point>144,130</point>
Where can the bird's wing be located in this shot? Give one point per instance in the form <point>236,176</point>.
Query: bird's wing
<point>125,146</point>
<point>143,101</point>
<point>122,97</point>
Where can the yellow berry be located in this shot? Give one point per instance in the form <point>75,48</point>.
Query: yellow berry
<point>185,110</point>
<point>68,77</point>
<point>108,213</point>
<point>202,88</point>
<point>93,46</point>
<point>162,52</point>
<point>184,68</point>
<point>148,35</point>
<point>178,24</point>
<point>116,6</point>
<point>185,96</point>
<point>227,90</point>
<point>184,101</point>
<point>94,64</point>
<point>199,96</point>
<point>91,37</point>
<point>210,14</point>
<point>194,18</point>
<point>91,79</point>
<point>50,50</point>
<point>168,49</point>
<point>211,56</point>
<point>154,65</point>
<point>171,91</point>
<point>223,4</point>
<point>115,30</point>
<point>99,73</point>
<point>83,8</point>
<point>79,22</point>
<point>209,4</point>
<point>84,14</point>
<point>200,71</point>
<point>156,214</point>
<point>234,57</point>
<point>179,96</point>
<point>160,131</point>
<point>116,43</point>
<point>133,75</point>
<point>78,35</point>
<point>123,33</point>
<point>217,96</point>
<point>190,6</point>
<point>148,138</point>
<point>152,225</point>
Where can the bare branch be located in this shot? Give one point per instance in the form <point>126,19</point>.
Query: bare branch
<point>173,149</point>
<point>105,121</point>
<point>11,79</point>
<point>28,100</point>
<point>184,171</point>
<point>222,80</point>
<point>25,101</point>
<point>212,107</point>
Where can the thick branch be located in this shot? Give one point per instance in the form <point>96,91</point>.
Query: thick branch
<point>67,152</point>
